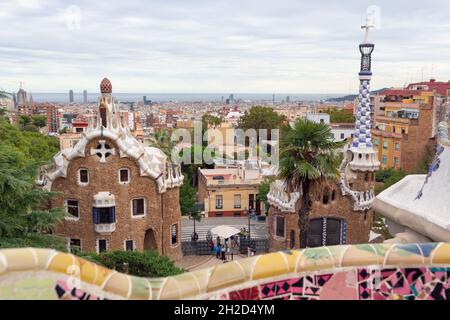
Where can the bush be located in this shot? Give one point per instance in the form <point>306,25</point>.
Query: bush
<point>142,264</point>
<point>394,177</point>
<point>383,174</point>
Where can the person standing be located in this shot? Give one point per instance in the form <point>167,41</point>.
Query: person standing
<point>218,251</point>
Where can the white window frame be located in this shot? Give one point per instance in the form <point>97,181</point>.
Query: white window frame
<point>97,244</point>
<point>221,201</point>
<point>83,184</point>
<point>68,244</point>
<point>69,216</point>
<point>178,235</point>
<point>125,244</point>
<point>145,208</point>
<point>129,176</point>
<point>240,201</point>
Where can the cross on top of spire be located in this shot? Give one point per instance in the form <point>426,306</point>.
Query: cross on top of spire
<point>367,26</point>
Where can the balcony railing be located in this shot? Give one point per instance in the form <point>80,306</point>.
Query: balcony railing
<point>105,227</point>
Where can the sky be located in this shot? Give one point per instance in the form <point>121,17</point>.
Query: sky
<point>215,46</point>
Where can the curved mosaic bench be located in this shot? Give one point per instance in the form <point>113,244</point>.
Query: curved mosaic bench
<point>366,271</point>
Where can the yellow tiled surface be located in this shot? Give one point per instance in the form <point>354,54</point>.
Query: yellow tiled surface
<point>215,279</point>
<point>272,264</point>
<point>226,275</point>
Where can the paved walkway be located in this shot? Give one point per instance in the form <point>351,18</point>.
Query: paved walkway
<point>192,263</point>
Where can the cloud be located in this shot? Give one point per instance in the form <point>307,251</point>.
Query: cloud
<point>217,46</point>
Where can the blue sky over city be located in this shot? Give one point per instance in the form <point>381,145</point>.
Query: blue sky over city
<point>218,46</point>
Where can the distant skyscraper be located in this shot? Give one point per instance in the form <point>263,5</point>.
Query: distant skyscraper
<point>70,96</point>
<point>231,98</point>
<point>273,99</point>
<point>85,99</point>
<point>288,99</point>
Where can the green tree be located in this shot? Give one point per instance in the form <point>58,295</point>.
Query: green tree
<point>208,119</point>
<point>191,169</point>
<point>187,196</point>
<point>161,139</point>
<point>261,118</point>
<point>3,112</point>
<point>263,190</point>
<point>308,154</point>
<point>340,116</point>
<point>33,145</point>
<point>141,264</point>
<point>391,177</point>
<point>426,160</point>
<point>39,121</point>
<point>24,120</point>
<point>385,178</point>
<point>23,219</point>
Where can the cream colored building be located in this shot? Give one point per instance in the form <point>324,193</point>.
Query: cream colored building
<point>68,140</point>
<point>229,191</point>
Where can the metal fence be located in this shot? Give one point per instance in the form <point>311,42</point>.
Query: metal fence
<point>202,247</point>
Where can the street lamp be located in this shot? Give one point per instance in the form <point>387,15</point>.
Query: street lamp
<point>194,235</point>
<point>249,213</point>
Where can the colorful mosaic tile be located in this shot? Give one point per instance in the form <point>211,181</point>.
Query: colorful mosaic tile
<point>365,272</point>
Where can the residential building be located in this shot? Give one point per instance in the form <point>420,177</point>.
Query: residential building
<point>408,124</point>
<point>342,131</point>
<point>229,191</point>
<point>52,118</point>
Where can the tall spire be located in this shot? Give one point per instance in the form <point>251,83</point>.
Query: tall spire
<point>364,157</point>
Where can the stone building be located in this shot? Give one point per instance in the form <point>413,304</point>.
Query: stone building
<point>341,212</point>
<point>119,194</point>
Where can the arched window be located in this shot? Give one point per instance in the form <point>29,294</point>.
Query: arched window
<point>326,196</point>
<point>333,195</point>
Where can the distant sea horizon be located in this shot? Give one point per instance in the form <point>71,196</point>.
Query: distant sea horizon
<point>63,97</point>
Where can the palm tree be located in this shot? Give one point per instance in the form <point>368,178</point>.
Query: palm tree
<point>161,139</point>
<point>307,154</point>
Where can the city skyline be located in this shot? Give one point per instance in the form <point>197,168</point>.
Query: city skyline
<point>258,47</point>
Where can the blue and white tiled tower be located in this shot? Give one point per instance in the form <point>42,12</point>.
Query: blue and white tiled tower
<point>365,158</point>
<point>361,161</point>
